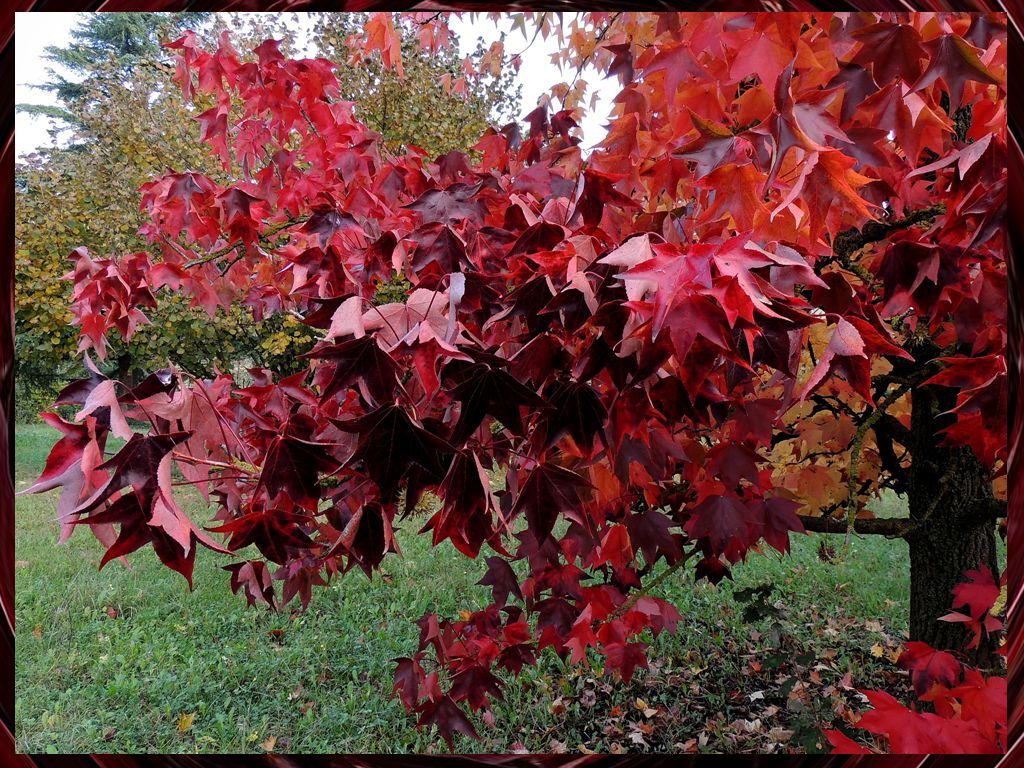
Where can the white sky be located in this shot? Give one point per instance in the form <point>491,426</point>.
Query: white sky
<point>35,31</point>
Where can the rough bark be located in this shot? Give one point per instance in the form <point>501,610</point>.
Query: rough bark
<point>953,528</point>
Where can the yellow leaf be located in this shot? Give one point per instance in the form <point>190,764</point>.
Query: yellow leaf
<point>185,721</point>
<point>1000,603</point>
<point>877,651</point>
<point>269,743</point>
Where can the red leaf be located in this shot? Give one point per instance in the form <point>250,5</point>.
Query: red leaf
<point>274,532</point>
<point>136,464</point>
<point>408,678</point>
<point>954,61</point>
<point>779,519</point>
<point>486,391</point>
<point>502,580</point>
<point>356,362</point>
<point>726,523</point>
<point>626,657</point>
<point>391,443</point>
<point>929,667</point>
<point>466,516</point>
<point>548,491</point>
<point>847,356</point>
<point>844,745</point>
<point>253,578</point>
<point>292,466</point>
<point>474,685</point>
<point>448,718</point>
<point>649,532</point>
<point>978,594</point>
<point>891,50</point>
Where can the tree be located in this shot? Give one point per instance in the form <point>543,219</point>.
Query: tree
<point>126,39</point>
<point>776,287</point>
<point>127,123</point>
<point>416,109</point>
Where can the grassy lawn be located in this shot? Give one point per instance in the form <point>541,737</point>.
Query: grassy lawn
<point>110,661</point>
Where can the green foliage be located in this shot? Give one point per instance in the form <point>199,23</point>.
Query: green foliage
<point>394,290</point>
<point>129,124</point>
<point>126,39</point>
<point>416,110</point>
<point>129,127</point>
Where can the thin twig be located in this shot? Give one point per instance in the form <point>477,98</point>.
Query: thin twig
<point>658,580</point>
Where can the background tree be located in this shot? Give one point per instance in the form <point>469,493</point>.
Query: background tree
<point>415,108</point>
<point>125,39</point>
<point>120,121</point>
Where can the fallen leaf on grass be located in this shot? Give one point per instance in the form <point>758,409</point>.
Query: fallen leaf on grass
<point>643,706</point>
<point>268,744</point>
<point>185,720</point>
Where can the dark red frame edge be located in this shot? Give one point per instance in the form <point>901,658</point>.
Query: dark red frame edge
<point>1014,9</point>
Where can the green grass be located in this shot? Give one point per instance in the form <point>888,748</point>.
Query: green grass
<point>88,682</point>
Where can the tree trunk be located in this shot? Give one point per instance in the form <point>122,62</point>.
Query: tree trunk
<point>954,531</point>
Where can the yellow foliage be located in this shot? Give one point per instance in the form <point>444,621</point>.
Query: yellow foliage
<point>134,126</point>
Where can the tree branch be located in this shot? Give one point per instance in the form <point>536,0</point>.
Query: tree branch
<point>647,589</point>
<point>856,447</point>
<point>882,526</point>
<point>990,508</point>
<point>265,237</point>
<point>893,429</point>
<point>887,430</point>
<point>849,241</point>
